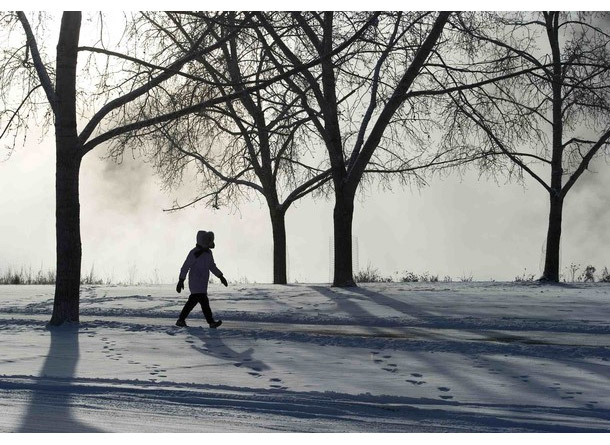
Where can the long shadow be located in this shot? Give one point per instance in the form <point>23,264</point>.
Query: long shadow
<point>472,353</point>
<point>214,346</point>
<point>343,302</point>
<point>399,306</point>
<point>409,310</point>
<point>50,409</point>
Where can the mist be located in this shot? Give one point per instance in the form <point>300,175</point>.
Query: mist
<point>459,226</point>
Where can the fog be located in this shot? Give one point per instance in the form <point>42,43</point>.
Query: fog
<point>458,226</point>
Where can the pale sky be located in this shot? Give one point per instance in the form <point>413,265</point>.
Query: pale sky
<point>452,227</point>
<point>455,226</point>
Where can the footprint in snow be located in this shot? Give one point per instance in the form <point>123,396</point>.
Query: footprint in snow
<point>415,382</point>
<point>254,374</point>
<point>378,361</point>
<point>275,380</point>
<point>444,388</point>
<point>389,369</point>
<point>415,374</point>
<point>446,397</point>
<point>237,364</point>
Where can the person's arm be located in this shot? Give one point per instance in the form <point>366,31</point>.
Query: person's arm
<point>190,259</point>
<point>216,271</point>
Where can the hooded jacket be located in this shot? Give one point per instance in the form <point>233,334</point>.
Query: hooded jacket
<point>199,262</point>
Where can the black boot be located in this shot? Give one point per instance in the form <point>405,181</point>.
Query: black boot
<point>215,324</point>
<point>181,323</point>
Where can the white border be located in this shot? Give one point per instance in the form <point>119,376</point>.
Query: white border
<point>279,5</point>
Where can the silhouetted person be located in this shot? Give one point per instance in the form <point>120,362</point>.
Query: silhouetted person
<point>198,264</point>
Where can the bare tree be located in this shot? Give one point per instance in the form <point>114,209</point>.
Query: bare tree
<point>554,115</point>
<point>61,93</point>
<point>354,100</point>
<point>256,144</point>
<point>137,79</point>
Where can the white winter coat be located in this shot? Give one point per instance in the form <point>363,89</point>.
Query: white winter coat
<point>198,269</point>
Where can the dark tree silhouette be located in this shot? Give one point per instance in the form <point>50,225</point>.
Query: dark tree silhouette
<point>554,114</point>
<point>110,121</point>
<point>61,96</point>
<point>257,143</point>
<point>356,96</point>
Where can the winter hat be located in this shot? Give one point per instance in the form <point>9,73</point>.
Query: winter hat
<point>205,239</point>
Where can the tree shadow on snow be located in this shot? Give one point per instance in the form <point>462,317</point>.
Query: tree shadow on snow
<point>400,306</point>
<point>343,301</point>
<point>50,408</point>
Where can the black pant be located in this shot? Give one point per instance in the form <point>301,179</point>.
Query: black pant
<point>202,299</point>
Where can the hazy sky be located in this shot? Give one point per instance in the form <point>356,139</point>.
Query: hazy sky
<point>455,226</point>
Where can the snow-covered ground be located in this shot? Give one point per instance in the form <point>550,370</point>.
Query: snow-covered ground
<point>395,357</point>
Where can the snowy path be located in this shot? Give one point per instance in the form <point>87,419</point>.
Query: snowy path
<point>398,360</point>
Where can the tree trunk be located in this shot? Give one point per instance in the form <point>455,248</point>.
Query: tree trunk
<point>67,231</point>
<point>553,238</point>
<point>342,216</point>
<point>278,224</point>
<point>68,160</point>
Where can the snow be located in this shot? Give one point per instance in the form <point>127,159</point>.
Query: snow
<point>391,357</point>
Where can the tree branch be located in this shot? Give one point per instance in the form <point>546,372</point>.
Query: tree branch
<point>306,188</point>
<point>585,163</point>
<point>43,75</point>
<point>17,110</point>
<point>166,74</point>
<point>196,200</point>
<point>88,146</point>
<point>210,167</point>
<point>398,97</point>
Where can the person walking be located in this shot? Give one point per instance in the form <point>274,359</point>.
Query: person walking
<point>199,263</point>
